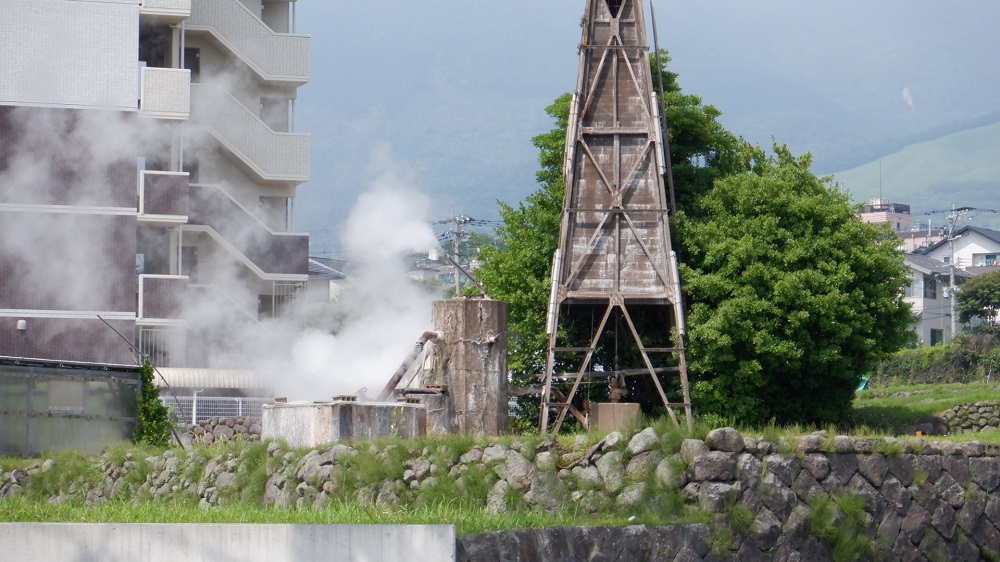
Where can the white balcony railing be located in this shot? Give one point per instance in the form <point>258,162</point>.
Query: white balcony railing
<point>172,11</point>
<point>165,93</point>
<point>271,155</point>
<point>274,56</point>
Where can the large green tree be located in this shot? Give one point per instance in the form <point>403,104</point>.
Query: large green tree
<point>979,297</point>
<point>791,296</point>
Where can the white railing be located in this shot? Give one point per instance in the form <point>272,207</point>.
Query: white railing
<point>173,10</point>
<point>274,56</point>
<point>272,155</point>
<point>165,93</point>
<point>196,409</point>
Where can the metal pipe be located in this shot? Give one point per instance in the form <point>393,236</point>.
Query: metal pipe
<point>194,406</point>
<point>664,129</point>
<point>553,313</point>
<point>390,386</point>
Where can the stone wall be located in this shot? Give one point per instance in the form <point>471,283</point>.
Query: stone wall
<point>754,500</point>
<point>221,430</point>
<point>916,500</point>
<point>967,418</point>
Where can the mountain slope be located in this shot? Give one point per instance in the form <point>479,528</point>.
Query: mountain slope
<point>961,168</point>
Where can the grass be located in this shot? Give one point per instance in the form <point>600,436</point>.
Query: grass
<point>894,408</point>
<point>467,521</point>
<point>840,522</point>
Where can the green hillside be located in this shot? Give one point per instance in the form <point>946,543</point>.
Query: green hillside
<point>962,167</point>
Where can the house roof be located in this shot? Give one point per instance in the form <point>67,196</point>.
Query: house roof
<point>993,235</point>
<point>326,268</point>
<point>209,378</point>
<point>931,266</point>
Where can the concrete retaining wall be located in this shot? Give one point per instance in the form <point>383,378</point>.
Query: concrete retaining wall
<point>85,542</point>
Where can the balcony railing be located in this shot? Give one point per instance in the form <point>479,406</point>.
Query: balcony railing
<point>169,11</point>
<point>271,155</point>
<point>163,197</point>
<point>165,93</point>
<point>161,296</point>
<point>274,56</point>
<point>274,253</point>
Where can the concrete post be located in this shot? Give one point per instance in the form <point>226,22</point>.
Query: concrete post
<point>471,363</point>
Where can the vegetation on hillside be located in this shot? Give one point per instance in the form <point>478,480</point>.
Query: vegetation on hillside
<point>974,356</point>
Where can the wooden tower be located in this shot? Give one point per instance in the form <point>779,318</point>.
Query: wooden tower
<point>614,250</point>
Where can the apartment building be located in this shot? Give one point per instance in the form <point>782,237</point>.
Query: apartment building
<point>148,167</point>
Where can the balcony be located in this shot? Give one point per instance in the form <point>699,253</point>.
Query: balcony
<point>163,198</point>
<point>270,155</point>
<point>165,93</point>
<point>273,56</point>
<point>165,11</point>
<point>272,255</point>
<point>161,298</point>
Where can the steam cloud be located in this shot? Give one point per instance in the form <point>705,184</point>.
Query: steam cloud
<point>383,311</point>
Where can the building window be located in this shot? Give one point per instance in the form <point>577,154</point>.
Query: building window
<point>937,336</point>
<point>930,288</point>
<point>986,260</point>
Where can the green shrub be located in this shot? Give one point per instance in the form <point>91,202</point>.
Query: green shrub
<point>153,425</point>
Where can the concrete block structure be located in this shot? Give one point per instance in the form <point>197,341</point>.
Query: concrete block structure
<point>310,424</point>
<point>148,164</point>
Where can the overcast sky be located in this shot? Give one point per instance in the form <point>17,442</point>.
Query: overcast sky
<point>455,89</point>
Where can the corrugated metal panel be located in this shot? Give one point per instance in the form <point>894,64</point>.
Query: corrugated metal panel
<point>68,53</point>
<point>210,378</point>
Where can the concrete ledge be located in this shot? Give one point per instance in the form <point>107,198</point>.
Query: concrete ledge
<point>155,542</point>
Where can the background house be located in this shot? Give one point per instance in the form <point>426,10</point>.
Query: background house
<point>930,295</point>
<point>938,265</point>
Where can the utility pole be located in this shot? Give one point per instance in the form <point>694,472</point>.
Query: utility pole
<point>456,240</point>
<point>457,234</point>
<point>952,219</point>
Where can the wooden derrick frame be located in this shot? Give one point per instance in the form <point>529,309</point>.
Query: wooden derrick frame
<point>614,241</point>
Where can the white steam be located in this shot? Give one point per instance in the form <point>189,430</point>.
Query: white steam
<point>384,311</point>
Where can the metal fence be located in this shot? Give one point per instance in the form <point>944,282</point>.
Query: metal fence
<point>196,409</point>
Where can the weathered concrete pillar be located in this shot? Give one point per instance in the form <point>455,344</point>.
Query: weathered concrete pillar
<point>471,363</point>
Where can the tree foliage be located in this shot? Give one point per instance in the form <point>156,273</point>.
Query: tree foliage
<point>791,296</point>
<point>979,297</point>
<point>153,425</point>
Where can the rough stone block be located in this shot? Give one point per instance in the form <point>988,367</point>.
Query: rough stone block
<point>775,495</point>
<point>785,468</point>
<point>874,468</point>
<point>725,439</point>
<point>985,471</point>
<point>916,522</point>
<point>643,441</point>
<point>843,466</point>
<point>718,496</point>
<point>713,466</point>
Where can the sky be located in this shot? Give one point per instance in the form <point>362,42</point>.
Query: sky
<point>452,91</point>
